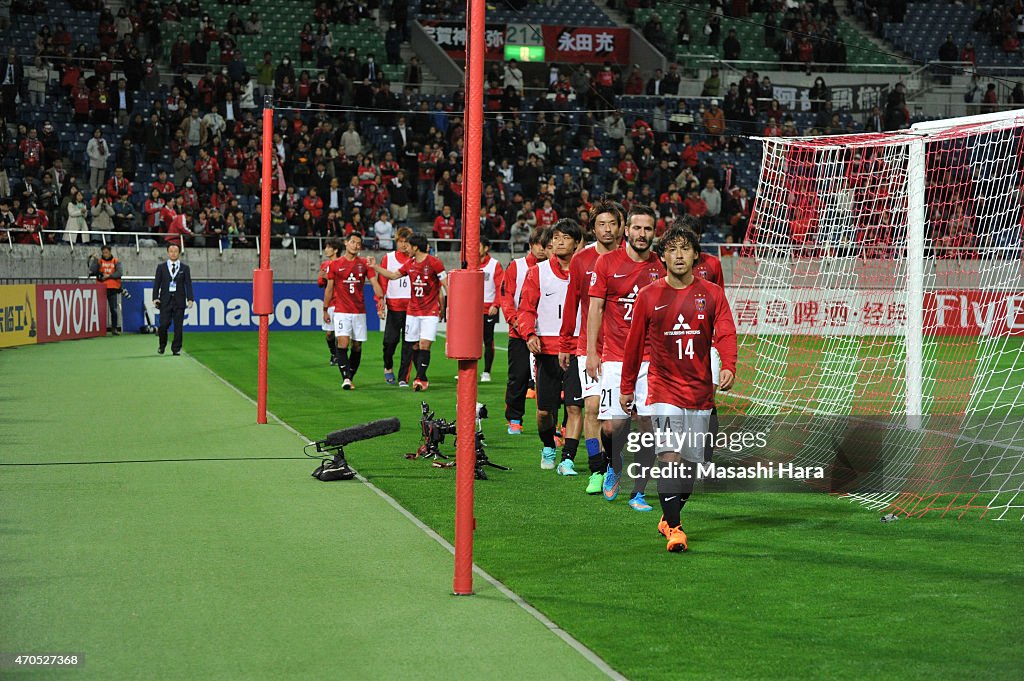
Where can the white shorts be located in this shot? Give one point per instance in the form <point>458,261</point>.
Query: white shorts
<point>328,326</point>
<point>681,431</point>
<point>350,325</point>
<point>590,387</point>
<point>716,365</point>
<point>421,328</point>
<point>611,376</point>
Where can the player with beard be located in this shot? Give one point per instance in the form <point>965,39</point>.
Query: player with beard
<point>676,320</point>
<point>572,356</point>
<point>618,278</point>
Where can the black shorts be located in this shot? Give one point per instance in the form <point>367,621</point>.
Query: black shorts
<point>555,386</point>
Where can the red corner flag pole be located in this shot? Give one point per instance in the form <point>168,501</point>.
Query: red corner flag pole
<point>263,277</point>
<point>468,297</point>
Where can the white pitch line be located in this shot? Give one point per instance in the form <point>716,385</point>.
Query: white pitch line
<point>573,643</point>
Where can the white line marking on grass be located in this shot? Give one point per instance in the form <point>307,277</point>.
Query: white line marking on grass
<point>573,643</point>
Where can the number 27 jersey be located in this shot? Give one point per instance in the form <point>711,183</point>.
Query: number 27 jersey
<point>618,279</point>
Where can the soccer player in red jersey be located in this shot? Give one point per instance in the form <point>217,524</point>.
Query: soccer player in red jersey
<point>429,283</point>
<point>493,276</point>
<point>344,292</point>
<point>572,355</point>
<point>708,267</point>
<point>676,320</point>
<point>539,320</point>
<point>332,251</point>
<point>618,278</point>
<point>393,309</point>
<point>519,371</point>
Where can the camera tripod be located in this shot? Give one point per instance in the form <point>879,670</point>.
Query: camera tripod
<point>482,460</point>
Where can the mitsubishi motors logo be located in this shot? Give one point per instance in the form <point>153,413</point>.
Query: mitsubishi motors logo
<point>682,328</point>
<point>630,297</point>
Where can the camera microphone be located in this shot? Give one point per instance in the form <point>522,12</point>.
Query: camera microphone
<point>336,467</point>
<point>363,431</point>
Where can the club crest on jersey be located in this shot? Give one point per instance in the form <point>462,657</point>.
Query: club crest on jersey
<point>701,303</point>
<point>654,276</point>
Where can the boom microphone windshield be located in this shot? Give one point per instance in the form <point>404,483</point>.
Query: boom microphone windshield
<point>363,431</point>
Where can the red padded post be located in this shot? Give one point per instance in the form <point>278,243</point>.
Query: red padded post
<point>262,292</point>
<point>465,334</point>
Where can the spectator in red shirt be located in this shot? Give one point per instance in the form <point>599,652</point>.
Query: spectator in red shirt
<point>164,187</point>
<point>546,216</point>
<point>969,54</point>
<point>188,199</point>
<point>207,170</point>
<point>445,227</point>
<point>118,185</point>
<point>177,223</point>
<point>590,155</point>
<point>314,204</point>
<point>31,221</point>
<point>154,204</point>
<point>221,197</point>
<point>31,154</point>
<point>629,170</point>
<point>689,154</point>
<point>81,98</point>
<point>695,205</point>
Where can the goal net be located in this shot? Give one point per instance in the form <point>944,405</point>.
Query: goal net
<point>880,306</point>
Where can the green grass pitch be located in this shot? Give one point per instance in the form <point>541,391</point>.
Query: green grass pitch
<point>777,586</point>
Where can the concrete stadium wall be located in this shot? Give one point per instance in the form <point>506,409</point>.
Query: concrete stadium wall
<point>59,262</point>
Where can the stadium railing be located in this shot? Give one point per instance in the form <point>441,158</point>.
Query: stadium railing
<point>297,244</point>
<point>224,242</point>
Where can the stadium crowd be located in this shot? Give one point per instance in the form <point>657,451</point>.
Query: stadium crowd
<point>178,156</point>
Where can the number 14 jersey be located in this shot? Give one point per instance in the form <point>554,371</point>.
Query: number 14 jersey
<point>678,326</point>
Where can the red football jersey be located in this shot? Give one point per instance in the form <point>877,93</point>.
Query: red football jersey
<point>578,297</point>
<point>618,279</point>
<point>348,276</point>
<point>321,279</point>
<point>679,326</point>
<point>709,267</point>
<point>425,277</point>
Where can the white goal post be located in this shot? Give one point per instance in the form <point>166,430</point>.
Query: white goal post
<point>882,277</point>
